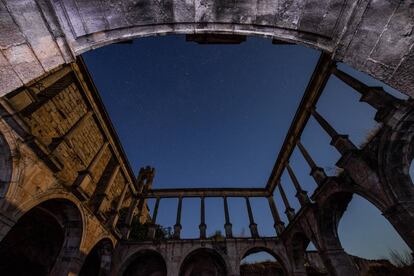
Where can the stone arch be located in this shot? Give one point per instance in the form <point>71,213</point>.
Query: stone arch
<point>395,155</point>
<point>204,260</point>
<point>278,257</point>
<point>6,166</point>
<point>330,213</point>
<point>298,244</point>
<point>98,260</point>
<point>57,195</point>
<point>51,232</point>
<point>144,262</point>
<point>10,167</point>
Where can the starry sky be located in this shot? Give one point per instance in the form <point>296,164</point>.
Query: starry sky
<point>217,115</point>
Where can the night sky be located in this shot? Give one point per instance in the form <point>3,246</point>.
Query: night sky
<point>217,115</point>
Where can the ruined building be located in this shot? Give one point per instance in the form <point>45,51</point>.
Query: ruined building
<point>68,197</point>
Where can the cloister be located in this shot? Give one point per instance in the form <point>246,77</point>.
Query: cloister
<point>65,179</point>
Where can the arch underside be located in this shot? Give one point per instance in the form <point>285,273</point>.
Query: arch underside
<point>203,262</point>
<point>282,270</point>
<point>145,262</point>
<point>40,238</point>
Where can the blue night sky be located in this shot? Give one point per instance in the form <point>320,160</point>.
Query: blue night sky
<point>217,115</point>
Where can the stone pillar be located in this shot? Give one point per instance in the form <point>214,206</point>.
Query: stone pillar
<point>202,226</point>
<point>103,197</point>
<point>152,228</point>
<point>339,141</point>
<point>278,223</point>
<point>376,97</point>
<point>126,226</point>
<point>177,226</point>
<point>5,225</point>
<point>106,260</point>
<point>316,172</point>
<point>69,263</point>
<point>81,187</point>
<point>115,215</point>
<point>338,262</point>
<point>300,193</point>
<point>289,211</point>
<point>252,225</point>
<point>227,225</point>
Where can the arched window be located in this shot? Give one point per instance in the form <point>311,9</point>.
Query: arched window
<point>358,236</point>
<point>258,261</point>
<point>203,262</point>
<point>144,263</point>
<point>33,244</point>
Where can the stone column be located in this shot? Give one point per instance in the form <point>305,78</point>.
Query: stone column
<point>376,97</point>
<point>278,223</point>
<point>338,262</point>
<point>82,183</point>
<point>289,211</point>
<point>300,193</point>
<point>316,172</point>
<point>227,225</point>
<point>177,226</point>
<point>202,226</point>
<point>152,228</point>
<point>339,141</point>
<point>252,225</point>
<point>115,215</point>
<point>126,226</point>
<point>106,260</point>
<point>67,265</point>
<point>103,197</point>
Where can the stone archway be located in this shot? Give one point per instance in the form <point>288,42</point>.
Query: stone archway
<point>278,268</point>
<point>203,262</point>
<point>335,259</point>
<point>298,244</point>
<point>6,166</point>
<point>43,240</point>
<point>98,261</point>
<point>144,262</point>
<point>395,155</point>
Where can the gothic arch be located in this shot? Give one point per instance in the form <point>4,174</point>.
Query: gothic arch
<point>10,166</point>
<point>202,260</point>
<point>98,259</point>
<point>144,262</point>
<point>278,257</point>
<point>395,154</point>
<point>72,208</point>
<point>47,237</point>
<point>6,166</point>
<point>298,244</point>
